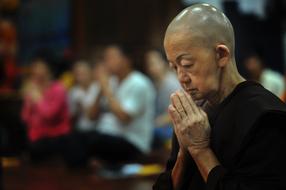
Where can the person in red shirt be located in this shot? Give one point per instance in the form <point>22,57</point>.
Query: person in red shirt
<point>45,112</point>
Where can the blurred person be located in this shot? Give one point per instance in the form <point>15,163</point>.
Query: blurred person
<point>127,119</point>
<point>45,112</point>
<point>9,71</point>
<point>229,132</point>
<point>166,83</point>
<point>82,96</point>
<point>124,111</point>
<point>271,80</point>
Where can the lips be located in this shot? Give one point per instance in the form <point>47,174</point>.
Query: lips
<point>191,91</point>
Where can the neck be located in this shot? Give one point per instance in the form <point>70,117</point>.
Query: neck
<point>124,73</point>
<point>85,85</point>
<point>44,84</point>
<point>228,82</point>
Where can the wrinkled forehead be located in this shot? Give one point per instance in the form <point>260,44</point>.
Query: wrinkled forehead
<point>182,42</point>
<point>177,40</point>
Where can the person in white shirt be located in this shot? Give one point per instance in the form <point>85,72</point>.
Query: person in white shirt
<point>125,110</point>
<point>166,83</point>
<point>271,80</point>
<point>82,96</point>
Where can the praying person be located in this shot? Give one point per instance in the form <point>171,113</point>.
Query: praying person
<point>229,133</point>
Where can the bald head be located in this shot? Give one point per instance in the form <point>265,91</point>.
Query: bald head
<point>205,25</point>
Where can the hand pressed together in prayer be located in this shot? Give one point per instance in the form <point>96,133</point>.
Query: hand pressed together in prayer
<point>191,123</point>
<point>32,92</point>
<point>102,75</point>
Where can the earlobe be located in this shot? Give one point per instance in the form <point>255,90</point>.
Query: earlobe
<point>223,55</point>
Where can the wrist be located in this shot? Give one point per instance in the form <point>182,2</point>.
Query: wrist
<point>197,152</point>
<point>205,160</point>
<point>183,157</point>
<point>179,169</point>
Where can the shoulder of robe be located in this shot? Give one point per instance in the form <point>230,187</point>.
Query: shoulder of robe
<point>241,117</point>
<point>258,106</point>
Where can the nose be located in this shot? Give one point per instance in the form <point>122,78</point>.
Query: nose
<point>183,76</point>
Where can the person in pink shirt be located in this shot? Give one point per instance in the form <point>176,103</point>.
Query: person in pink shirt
<point>45,112</point>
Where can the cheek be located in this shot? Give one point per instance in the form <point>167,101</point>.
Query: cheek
<point>210,84</point>
<point>110,65</point>
<point>207,80</point>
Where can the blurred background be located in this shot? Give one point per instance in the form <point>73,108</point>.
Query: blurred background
<point>58,63</point>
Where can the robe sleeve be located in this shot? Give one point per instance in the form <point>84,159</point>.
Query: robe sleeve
<point>164,181</point>
<point>261,163</point>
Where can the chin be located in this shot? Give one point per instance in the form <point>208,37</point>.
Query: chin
<point>197,96</point>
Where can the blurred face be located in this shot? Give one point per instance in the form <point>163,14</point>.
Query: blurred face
<point>114,60</point>
<point>40,72</point>
<point>82,73</point>
<point>155,64</point>
<point>196,66</point>
<point>253,67</point>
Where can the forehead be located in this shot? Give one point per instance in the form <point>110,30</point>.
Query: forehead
<point>177,40</point>
<point>81,67</point>
<point>184,43</point>
<point>178,43</point>
<point>39,65</point>
<point>112,51</point>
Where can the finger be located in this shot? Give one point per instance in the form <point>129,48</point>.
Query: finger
<point>175,116</point>
<point>202,112</point>
<point>191,102</point>
<point>185,103</point>
<point>178,105</point>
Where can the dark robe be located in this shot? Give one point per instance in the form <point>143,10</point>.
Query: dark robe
<point>248,138</point>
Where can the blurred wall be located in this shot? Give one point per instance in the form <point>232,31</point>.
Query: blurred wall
<point>138,22</point>
<point>43,24</point>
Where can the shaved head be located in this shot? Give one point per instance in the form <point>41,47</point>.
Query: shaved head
<point>205,24</point>
<point>199,45</point>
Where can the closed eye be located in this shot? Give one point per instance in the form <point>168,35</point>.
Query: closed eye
<point>186,63</point>
<point>188,66</point>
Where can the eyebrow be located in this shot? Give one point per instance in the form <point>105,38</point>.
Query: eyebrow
<point>178,58</point>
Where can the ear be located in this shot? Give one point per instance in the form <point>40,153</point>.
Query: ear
<point>222,55</point>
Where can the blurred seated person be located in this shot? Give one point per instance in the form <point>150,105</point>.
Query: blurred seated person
<point>166,83</point>
<point>124,110</point>
<point>9,71</point>
<point>82,96</point>
<point>45,112</point>
<point>271,80</point>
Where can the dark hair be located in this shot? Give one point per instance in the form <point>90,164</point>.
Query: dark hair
<point>126,49</point>
<point>43,61</point>
<point>47,57</point>
<point>161,52</point>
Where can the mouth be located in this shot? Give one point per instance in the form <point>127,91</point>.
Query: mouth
<point>192,92</point>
